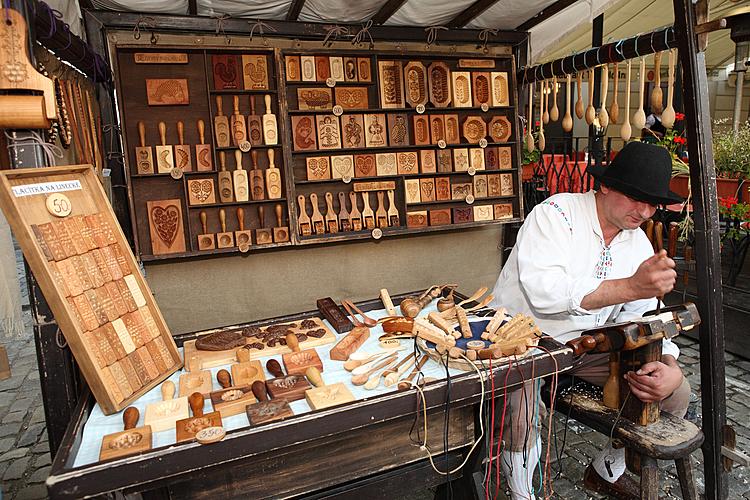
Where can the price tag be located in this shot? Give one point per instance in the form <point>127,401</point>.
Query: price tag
<point>420,108</point>
<point>390,343</point>
<point>330,82</point>
<point>244,247</point>
<point>377,233</point>
<point>442,144</point>
<point>482,143</point>
<point>471,171</point>
<point>176,173</point>
<point>59,205</point>
<point>338,110</point>
<point>470,199</point>
<point>347,179</point>
<point>210,435</point>
<point>245,146</point>
<point>484,107</point>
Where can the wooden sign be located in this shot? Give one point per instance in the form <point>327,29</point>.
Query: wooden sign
<point>481,91</point>
<point>167,92</point>
<point>505,157</point>
<point>255,71</point>
<point>165,226</point>
<point>462,215</point>
<point>452,135</point>
<point>416,219</point>
<point>364,74</point>
<point>350,69</point>
<point>500,129</point>
<point>364,166</point>
<point>342,166</point>
<point>415,83</point>
<point>318,168</point>
<point>352,97</point>
<point>421,130</point>
<point>503,211</point>
<point>474,129</point>
<point>329,136</point>
<point>308,68</point>
<point>293,70</point>
<point>160,58</point>
<point>461,82</point>
<point>359,187</point>
<point>353,131</point>
<point>442,188</point>
<point>476,63</point>
<point>506,185</point>
<point>440,217</point>
<point>427,190</point>
<point>226,70</point>
<point>444,160</point>
<point>386,164</point>
<point>439,84</point>
<point>427,162</point>
<point>391,84</point>
<point>128,442</point>
<point>493,185</point>
<point>499,84</point>
<point>437,129</point>
<point>398,130</point>
<point>483,213</point>
<point>337,68</point>
<point>460,190</point>
<point>407,163</point>
<point>375,133</point>
<point>314,99</point>
<point>480,186</point>
<point>201,191</point>
<point>412,191</point>
<point>322,68</point>
<point>461,159</point>
<point>163,415</point>
<point>476,158</point>
<point>303,132</point>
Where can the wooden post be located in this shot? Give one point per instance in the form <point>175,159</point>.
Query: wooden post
<point>708,258</point>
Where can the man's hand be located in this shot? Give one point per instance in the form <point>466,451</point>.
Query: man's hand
<point>655,277</point>
<point>656,380</point>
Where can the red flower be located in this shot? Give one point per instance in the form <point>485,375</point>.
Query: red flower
<point>536,123</point>
<point>679,116</point>
<point>728,201</point>
<point>680,140</point>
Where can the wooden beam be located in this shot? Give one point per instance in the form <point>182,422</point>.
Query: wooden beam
<point>386,11</point>
<point>707,236</point>
<point>294,10</point>
<point>472,11</point>
<point>545,14</point>
<point>192,7</point>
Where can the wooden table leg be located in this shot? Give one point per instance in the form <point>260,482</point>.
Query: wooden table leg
<point>687,481</point>
<point>649,478</point>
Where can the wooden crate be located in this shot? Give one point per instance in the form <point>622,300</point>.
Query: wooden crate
<point>60,215</point>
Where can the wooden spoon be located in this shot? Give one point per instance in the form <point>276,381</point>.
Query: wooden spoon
<point>625,129</point>
<point>374,380</point>
<point>567,122</point>
<point>614,108</point>
<point>545,114</point>
<point>656,93</point>
<point>529,123</point>
<point>358,359</point>
<point>554,113</point>
<point>368,321</point>
<point>406,382</point>
<point>365,367</point>
<point>362,378</point>
<point>474,296</point>
<point>668,115</point>
<point>590,111</point>
<point>579,102</point>
<point>639,118</point>
<point>541,142</point>
<point>603,114</point>
<point>395,373</point>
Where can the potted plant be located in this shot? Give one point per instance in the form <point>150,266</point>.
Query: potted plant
<point>529,159</point>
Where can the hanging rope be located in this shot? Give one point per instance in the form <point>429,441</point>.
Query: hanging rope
<point>145,22</point>
<point>220,19</point>
<point>484,36</point>
<point>335,32</point>
<point>359,38</point>
<point>432,33</point>
<point>261,27</point>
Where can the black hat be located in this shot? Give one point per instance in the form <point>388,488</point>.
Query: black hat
<point>641,171</point>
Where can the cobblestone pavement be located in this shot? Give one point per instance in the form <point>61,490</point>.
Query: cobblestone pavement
<point>25,458</point>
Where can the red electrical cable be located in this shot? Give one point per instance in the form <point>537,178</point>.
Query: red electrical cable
<point>492,433</point>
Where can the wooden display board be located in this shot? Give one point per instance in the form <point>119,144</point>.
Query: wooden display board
<point>83,263</point>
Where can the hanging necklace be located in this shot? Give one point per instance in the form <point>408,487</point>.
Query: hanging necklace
<point>63,118</point>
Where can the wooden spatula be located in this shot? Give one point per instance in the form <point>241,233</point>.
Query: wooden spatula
<point>393,216</point>
<point>590,111</point>
<point>554,113</point>
<point>625,129</point>
<point>241,192</point>
<point>221,125</point>
<point>368,216</point>
<point>567,121</point>
<point>603,113</point>
<point>668,115</point>
<point>164,157</point>
<point>257,184</point>
<point>614,108</point>
<point>263,235</point>
<point>202,150</point>
<point>529,123</point>
<point>639,117</point>
<point>254,126</point>
<point>354,215</point>
<point>381,215</point>
<point>239,128</point>
<point>579,101</point>
<point>225,180</point>
<point>656,94</point>
<point>144,159</point>
<point>344,221</point>
<point>303,220</point>
<point>318,222</point>
<point>270,134</point>
<point>181,151</point>
<point>273,177</point>
<point>280,232</point>
<point>332,223</point>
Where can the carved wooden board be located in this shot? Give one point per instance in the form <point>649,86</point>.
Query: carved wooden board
<point>351,97</point>
<point>440,217</point>
<point>360,187</point>
<point>268,411</point>
<point>442,188</point>
<point>460,190</point>
<point>375,130</point>
<point>476,63</point>
<point>391,84</point>
<point>462,215</point>
<point>452,135</point>
<point>480,186</point>
<point>322,68</point>
<point>415,83</point>
<point>500,129</point>
<point>124,443</point>
<point>314,98</point>
<point>499,85</point>
<point>407,162</point>
<point>167,92</point>
<point>483,213</point>
<point>461,82</point>
<point>247,372</point>
<point>505,157</point>
<point>329,136</point>
<point>342,166</point>
<point>160,58</point>
<point>416,219</point>
<point>412,191</point>
<point>328,396</point>
<point>293,70</point>
<point>165,226</point>
<point>474,129</point>
<point>491,160</point>
<point>162,416</point>
<point>196,381</point>
<point>304,132</point>
<point>255,71</point>
<point>437,129</point>
<point>318,168</point>
<point>227,72</point>
<point>289,387</point>
<point>364,72</point>
<point>444,160</point>
<point>461,159</point>
<point>307,64</point>
<point>439,84</point>
<point>350,69</point>
<point>427,161</point>
<point>481,91</point>
<point>337,68</point>
<point>353,131</point>
<point>493,185</point>
<point>398,130</point>
<point>427,190</point>
<point>386,164</point>
<point>503,211</point>
<point>421,130</point>
<point>364,166</point>
<point>232,400</point>
<point>201,191</point>
<point>506,185</point>
<point>476,158</point>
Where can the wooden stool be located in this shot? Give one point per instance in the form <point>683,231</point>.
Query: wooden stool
<point>671,438</point>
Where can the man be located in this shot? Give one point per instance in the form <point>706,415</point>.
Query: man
<point>581,260</point>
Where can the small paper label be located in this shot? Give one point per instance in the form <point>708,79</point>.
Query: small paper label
<point>46,188</point>
<point>338,110</point>
<point>484,107</point>
<point>442,144</point>
<point>330,82</point>
<point>482,143</point>
<point>245,146</point>
<point>420,108</point>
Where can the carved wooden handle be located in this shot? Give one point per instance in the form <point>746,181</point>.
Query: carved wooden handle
<point>259,390</point>
<point>274,368</point>
<point>223,220</point>
<point>238,159</point>
<point>292,342</point>
<point>672,240</point>
<point>658,236</point>
<point>224,378</point>
<point>219,105</point>
<point>254,158</point>
<point>236,105</point>
<point>267,100</point>
<point>279,213</point>
<point>202,131</point>
<point>313,375</point>
<point>163,133</point>
<point>262,216</point>
<point>657,69</point>
<point>271,158</point>
<point>181,132</point>
<point>142,133</point>
<point>167,389</point>
<point>130,417</point>
<point>252,105</point>
<point>241,224</point>
<point>243,355</point>
<point>223,161</point>
<point>196,403</point>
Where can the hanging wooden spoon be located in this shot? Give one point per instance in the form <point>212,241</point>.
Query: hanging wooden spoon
<point>567,122</point>
<point>603,114</point>
<point>656,93</point>
<point>590,111</point>
<point>639,118</point>
<point>529,123</point>
<point>667,116</point>
<point>625,129</point>
<point>545,114</point>
<point>541,142</point>
<point>554,113</point>
<point>614,108</point>
<point>579,102</point>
